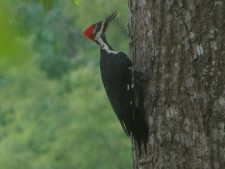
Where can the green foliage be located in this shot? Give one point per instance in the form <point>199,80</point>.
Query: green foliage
<point>59,124</point>
<point>11,42</point>
<point>54,125</point>
<point>76,2</point>
<point>52,34</point>
<point>48,3</point>
<point>56,118</point>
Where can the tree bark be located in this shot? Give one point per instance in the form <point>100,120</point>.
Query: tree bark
<point>182,99</point>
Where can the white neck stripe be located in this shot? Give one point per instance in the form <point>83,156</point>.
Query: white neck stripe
<point>105,47</point>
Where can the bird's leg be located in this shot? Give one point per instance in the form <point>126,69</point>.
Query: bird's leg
<point>138,75</point>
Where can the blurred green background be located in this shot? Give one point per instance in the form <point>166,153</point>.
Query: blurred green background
<point>54,113</point>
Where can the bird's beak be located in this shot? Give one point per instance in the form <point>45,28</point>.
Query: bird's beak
<point>110,18</point>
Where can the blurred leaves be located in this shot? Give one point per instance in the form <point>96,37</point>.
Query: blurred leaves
<point>76,2</point>
<point>14,50</point>
<point>48,3</point>
<point>60,124</point>
<point>54,113</point>
<point>53,36</point>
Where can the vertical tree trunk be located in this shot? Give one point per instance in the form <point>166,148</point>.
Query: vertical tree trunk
<point>182,98</point>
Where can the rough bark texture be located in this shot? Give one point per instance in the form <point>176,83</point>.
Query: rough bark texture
<point>183,98</point>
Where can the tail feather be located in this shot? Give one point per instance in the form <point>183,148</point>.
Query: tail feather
<point>140,129</point>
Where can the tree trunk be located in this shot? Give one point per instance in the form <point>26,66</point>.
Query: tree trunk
<point>182,98</point>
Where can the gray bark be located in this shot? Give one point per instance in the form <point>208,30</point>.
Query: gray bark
<point>183,98</point>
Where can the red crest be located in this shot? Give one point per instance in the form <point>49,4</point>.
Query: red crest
<point>88,32</point>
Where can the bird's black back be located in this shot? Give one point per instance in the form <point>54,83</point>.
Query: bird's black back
<point>116,75</point>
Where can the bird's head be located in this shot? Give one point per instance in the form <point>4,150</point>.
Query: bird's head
<point>97,30</point>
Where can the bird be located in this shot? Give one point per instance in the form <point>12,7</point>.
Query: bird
<point>117,74</point>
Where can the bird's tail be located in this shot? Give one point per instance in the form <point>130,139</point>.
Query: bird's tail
<point>140,129</point>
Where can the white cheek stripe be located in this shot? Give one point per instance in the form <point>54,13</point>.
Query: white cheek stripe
<point>102,44</point>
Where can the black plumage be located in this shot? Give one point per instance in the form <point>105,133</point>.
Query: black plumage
<point>116,76</point>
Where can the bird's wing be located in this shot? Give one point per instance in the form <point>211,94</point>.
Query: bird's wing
<point>120,89</point>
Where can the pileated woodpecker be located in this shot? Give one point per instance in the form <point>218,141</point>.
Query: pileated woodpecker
<point>118,79</point>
